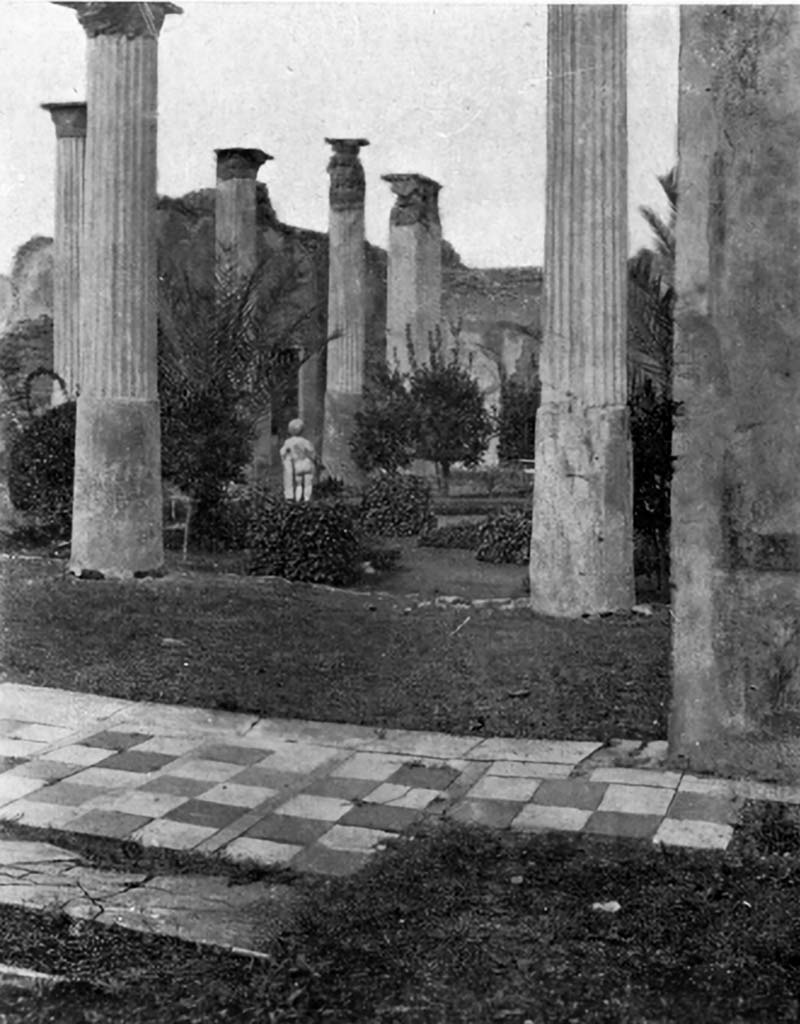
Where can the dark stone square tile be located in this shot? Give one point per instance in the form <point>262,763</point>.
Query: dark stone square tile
<point>345,789</point>
<point>492,813</point>
<point>7,763</point>
<point>176,785</point>
<point>107,823</point>
<point>381,816</point>
<point>627,826</point>
<point>50,770</point>
<point>321,860</point>
<point>586,796</point>
<point>702,807</point>
<point>423,778</point>
<point>111,739</point>
<point>69,793</point>
<point>256,776</point>
<point>137,761</point>
<point>206,813</point>
<point>283,828</point>
<point>232,754</point>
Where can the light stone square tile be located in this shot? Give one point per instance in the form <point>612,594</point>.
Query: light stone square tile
<point>706,786</point>
<point>14,787</point>
<point>177,745</point>
<point>176,835</point>
<point>263,851</point>
<point>421,744</point>
<point>319,808</point>
<point>147,805</point>
<point>377,767</point>
<point>495,787</point>
<point>39,815</point>
<point>549,751</point>
<point>751,789</point>
<point>20,747</point>
<point>529,770</point>
<point>298,757</point>
<point>391,795</point>
<point>537,817</point>
<point>110,778</point>
<point>205,771</point>
<point>636,799</point>
<point>41,733</point>
<point>636,777</point>
<point>703,835</point>
<point>353,839</point>
<point>77,754</point>
<point>239,796</point>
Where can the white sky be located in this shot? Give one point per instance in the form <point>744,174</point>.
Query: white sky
<point>452,90</point>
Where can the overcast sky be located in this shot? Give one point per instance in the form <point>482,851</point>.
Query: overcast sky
<point>450,90</point>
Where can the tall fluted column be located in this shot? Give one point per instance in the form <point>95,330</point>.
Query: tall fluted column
<point>117,509</point>
<point>235,213</point>
<point>70,124</point>
<point>346,307</point>
<point>414,278</point>
<point>582,543</point>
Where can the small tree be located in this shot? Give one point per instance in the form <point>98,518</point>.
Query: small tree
<point>517,419</point>
<point>384,437</point>
<point>451,423</point>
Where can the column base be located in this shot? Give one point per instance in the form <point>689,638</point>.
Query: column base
<point>340,412</point>
<point>117,503</point>
<point>582,536</point>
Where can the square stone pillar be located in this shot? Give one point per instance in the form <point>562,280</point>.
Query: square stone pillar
<point>582,536</point>
<point>736,488</point>
<point>347,288</point>
<point>70,124</point>
<point>117,507</point>
<point>414,272</point>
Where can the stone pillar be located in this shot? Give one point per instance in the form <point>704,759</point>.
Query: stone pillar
<point>70,124</point>
<point>736,487</point>
<point>581,543</point>
<point>117,509</point>
<point>414,278</point>
<point>235,213</point>
<point>346,307</point>
<point>237,258</point>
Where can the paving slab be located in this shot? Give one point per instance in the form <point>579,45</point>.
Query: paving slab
<point>550,751</point>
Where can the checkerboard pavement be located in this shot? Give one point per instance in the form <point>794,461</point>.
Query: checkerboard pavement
<point>326,798</point>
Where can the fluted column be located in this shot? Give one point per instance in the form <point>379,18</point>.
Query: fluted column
<point>235,213</point>
<point>117,510</point>
<point>582,544</point>
<point>346,306</point>
<point>70,124</point>
<point>414,276</point>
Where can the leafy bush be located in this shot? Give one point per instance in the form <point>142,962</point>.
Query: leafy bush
<point>479,506</point>
<point>384,435</point>
<point>329,487</point>
<point>505,538</point>
<point>396,506</point>
<point>465,536</point>
<point>314,542</point>
<point>517,420</point>
<point>42,466</point>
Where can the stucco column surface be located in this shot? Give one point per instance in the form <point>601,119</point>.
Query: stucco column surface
<point>70,125</point>
<point>346,307</point>
<point>414,280</point>
<point>735,531</point>
<point>117,510</point>
<point>581,542</point>
<point>235,211</point>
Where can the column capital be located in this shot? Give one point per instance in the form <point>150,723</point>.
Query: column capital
<point>417,199</point>
<point>121,19</point>
<point>348,185</point>
<point>69,119</point>
<point>239,163</point>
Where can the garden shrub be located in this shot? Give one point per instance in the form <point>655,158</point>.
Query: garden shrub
<point>505,538</point>
<point>312,542</point>
<point>465,536</point>
<point>41,466</point>
<point>384,434</point>
<point>396,506</point>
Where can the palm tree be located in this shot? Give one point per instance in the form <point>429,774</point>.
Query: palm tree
<point>664,230</point>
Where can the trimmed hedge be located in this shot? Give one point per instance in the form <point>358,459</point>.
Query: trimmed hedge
<point>313,542</point>
<point>465,536</point>
<point>505,538</point>
<point>396,506</point>
<point>41,466</point>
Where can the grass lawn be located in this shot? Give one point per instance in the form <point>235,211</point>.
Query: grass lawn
<point>291,650</point>
<point>463,926</point>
